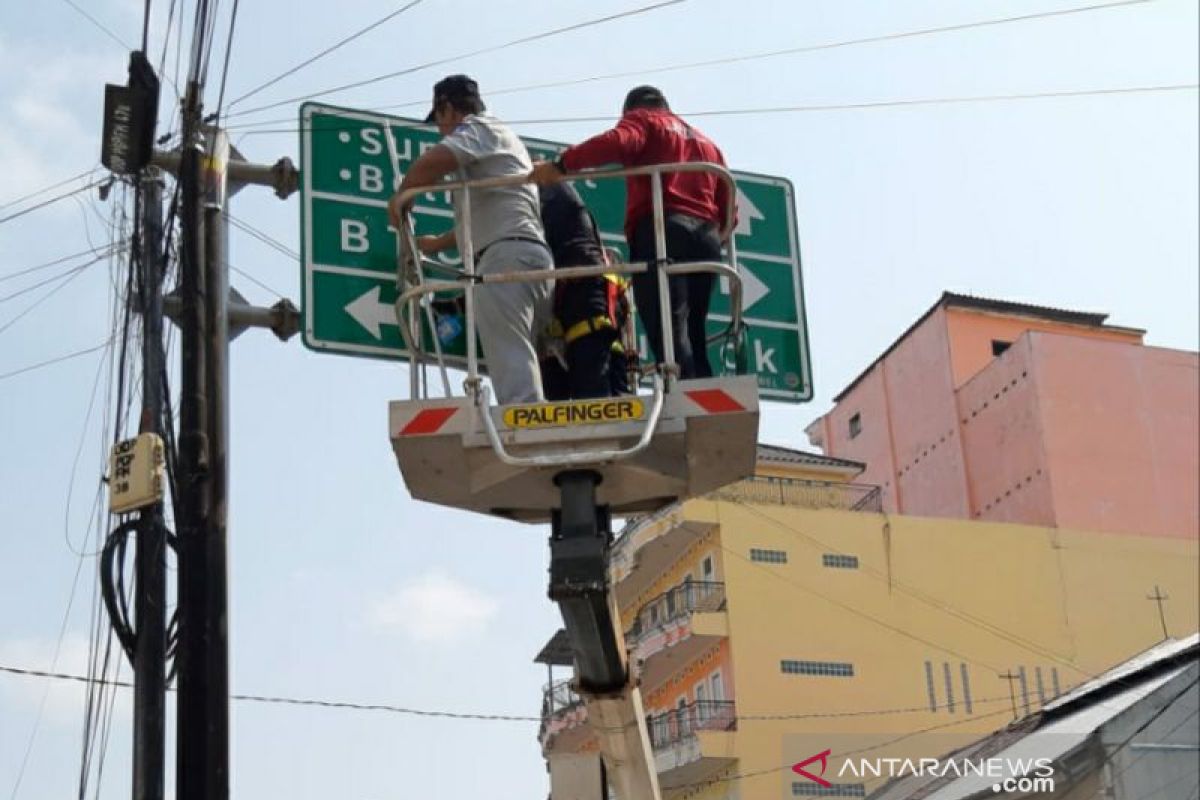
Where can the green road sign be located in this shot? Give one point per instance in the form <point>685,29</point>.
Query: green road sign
<point>351,162</point>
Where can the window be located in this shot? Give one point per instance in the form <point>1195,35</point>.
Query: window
<point>707,573</point>
<point>855,425</point>
<point>829,669</point>
<point>999,346</point>
<point>949,687</point>
<point>718,687</point>
<point>839,561</point>
<point>808,789</point>
<point>933,703</point>
<point>768,556</point>
<point>966,682</point>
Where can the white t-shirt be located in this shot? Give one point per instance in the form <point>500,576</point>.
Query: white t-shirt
<point>486,148</point>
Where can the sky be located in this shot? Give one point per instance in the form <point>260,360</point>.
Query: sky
<point>342,587</point>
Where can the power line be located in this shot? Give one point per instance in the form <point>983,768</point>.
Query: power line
<point>491,49</point>
<point>65,280</point>
<point>263,237</point>
<point>255,281</point>
<point>606,118</point>
<point>959,614</point>
<point>42,283</point>
<point>98,24</point>
<point>57,360</point>
<point>404,710</point>
<point>228,51</point>
<point>146,29</point>
<point>324,52</point>
<point>777,53</point>
<point>51,187</point>
<point>52,200</point>
<point>864,615</point>
<point>57,261</point>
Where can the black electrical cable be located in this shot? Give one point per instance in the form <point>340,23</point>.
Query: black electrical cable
<point>481,51</point>
<point>325,52</point>
<point>112,558</point>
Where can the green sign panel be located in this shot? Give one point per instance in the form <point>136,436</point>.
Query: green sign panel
<point>351,162</point>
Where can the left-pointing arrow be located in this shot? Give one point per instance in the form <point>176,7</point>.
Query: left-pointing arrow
<point>370,313</point>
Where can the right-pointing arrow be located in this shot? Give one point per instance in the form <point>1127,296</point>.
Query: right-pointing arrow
<point>753,289</point>
<point>370,313</point>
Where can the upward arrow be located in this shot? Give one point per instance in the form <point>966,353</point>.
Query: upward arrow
<point>747,213</point>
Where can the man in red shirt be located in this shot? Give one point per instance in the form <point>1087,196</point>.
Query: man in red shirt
<point>694,204</point>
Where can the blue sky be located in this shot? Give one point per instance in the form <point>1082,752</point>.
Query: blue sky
<point>344,588</point>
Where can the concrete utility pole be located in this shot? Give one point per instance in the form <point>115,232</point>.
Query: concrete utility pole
<point>202,757</point>
<point>209,173</point>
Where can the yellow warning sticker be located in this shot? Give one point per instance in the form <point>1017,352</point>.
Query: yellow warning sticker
<point>582,412</point>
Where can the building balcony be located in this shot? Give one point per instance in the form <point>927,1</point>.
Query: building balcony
<point>693,742</point>
<point>677,627</point>
<point>564,719</point>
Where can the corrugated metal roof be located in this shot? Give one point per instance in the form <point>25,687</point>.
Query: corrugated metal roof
<point>1059,727</point>
<point>556,652</point>
<point>786,455</point>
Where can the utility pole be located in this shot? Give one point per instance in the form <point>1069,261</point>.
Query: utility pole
<point>209,172</point>
<point>149,668</point>
<point>202,756</point>
<point>1159,597</point>
<point>1009,677</point>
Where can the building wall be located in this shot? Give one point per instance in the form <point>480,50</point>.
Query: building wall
<point>906,409</point>
<point>998,413</point>
<point>1046,606</point>
<point>971,333</point>
<point>1120,434</point>
<point>1071,426</point>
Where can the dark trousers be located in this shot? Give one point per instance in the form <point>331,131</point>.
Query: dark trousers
<point>688,239</point>
<point>589,372</point>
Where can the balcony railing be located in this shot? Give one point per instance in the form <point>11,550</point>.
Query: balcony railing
<point>559,696</point>
<point>686,598</point>
<point>803,493</point>
<point>674,726</point>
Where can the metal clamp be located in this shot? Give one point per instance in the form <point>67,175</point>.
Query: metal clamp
<point>569,459</point>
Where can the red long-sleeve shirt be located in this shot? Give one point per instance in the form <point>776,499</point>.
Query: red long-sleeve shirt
<point>656,136</point>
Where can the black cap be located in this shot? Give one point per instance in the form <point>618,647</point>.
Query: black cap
<point>452,88</point>
<point>644,97</point>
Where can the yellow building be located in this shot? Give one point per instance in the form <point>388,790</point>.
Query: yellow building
<point>785,616</point>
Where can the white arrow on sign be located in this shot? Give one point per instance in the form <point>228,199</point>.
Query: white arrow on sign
<point>753,289</point>
<point>370,313</point>
<point>747,213</point>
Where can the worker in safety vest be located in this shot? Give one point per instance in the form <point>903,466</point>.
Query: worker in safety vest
<point>589,313</point>
<point>695,205</point>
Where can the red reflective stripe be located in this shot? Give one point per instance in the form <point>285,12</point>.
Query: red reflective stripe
<point>428,421</point>
<point>714,401</point>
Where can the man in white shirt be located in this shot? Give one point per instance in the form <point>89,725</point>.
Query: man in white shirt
<point>506,232</point>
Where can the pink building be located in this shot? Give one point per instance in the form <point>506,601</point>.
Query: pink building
<point>986,409</point>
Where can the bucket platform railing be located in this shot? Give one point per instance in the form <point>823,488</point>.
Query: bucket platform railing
<point>416,292</point>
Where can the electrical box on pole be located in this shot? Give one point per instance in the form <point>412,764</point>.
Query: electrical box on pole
<point>130,114</point>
